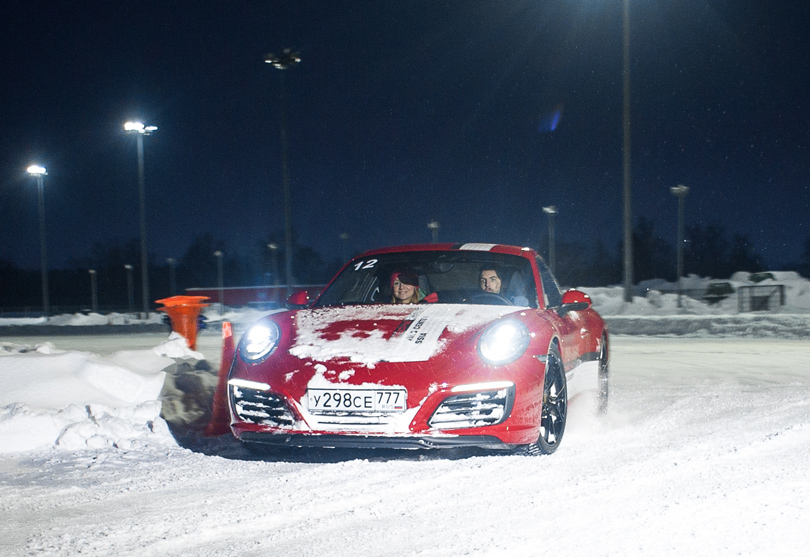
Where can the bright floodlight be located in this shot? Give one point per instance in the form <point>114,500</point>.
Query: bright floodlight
<point>287,59</point>
<point>680,190</point>
<point>36,170</point>
<point>139,127</point>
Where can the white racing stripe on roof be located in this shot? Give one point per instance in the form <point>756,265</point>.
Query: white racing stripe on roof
<point>477,247</point>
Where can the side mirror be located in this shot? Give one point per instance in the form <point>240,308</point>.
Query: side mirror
<point>574,300</point>
<point>299,299</point>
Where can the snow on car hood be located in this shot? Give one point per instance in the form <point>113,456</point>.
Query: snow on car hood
<point>390,333</point>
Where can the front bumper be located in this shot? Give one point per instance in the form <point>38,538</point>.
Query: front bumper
<point>335,441</point>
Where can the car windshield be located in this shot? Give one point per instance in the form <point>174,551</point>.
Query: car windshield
<point>443,277</point>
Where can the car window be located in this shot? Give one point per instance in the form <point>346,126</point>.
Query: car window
<point>452,276</point>
<point>551,290</point>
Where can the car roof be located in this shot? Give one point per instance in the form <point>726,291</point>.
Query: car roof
<point>495,248</point>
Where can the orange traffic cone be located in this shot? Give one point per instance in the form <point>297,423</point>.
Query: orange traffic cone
<point>183,311</point>
<point>220,423</point>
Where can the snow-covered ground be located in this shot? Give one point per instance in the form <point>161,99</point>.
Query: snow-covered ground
<point>704,451</point>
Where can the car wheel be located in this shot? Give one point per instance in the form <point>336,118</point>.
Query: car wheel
<point>604,379</point>
<point>555,406</point>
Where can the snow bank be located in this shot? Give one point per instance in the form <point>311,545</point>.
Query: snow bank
<point>83,319</point>
<point>658,313</point>
<point>76,400</point>
<point>660,297</point>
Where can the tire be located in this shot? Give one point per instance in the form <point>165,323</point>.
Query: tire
<point>554,412</point>
<point>604,379</point>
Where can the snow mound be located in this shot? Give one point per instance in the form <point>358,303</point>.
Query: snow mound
<point>27,428</point>
<point>78,400</point>
<point>80,319</point>
<point>177,347</point>
<point>659,297</point>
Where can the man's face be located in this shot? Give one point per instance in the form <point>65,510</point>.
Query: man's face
<point>490,282</point>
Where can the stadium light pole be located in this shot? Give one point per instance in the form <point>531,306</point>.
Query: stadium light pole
<point>140,130</point>
<point>551,211</point>
<point>287,59</point>
<point>628,213</point>
<point>273,247</point>
<point>39,172</point>
<point>171,261</point>
<point>434,230</point>
<point>344,238</point>
<point>218,254</point>
<point>680,191</point>
<point>130,289</point>
<point>93,291</point>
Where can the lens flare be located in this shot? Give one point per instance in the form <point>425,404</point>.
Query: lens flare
<point>550,119</point>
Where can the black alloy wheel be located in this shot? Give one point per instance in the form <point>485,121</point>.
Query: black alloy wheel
<point>555,406</point>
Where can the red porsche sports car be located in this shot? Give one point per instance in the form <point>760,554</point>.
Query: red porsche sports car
<point>485,351</point>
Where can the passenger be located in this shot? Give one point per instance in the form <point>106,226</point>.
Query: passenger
<point>405,289</point>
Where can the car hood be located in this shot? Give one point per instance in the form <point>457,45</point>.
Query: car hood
<point>386,333</point>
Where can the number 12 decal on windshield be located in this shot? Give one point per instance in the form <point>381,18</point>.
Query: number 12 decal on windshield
<point>361,265</point>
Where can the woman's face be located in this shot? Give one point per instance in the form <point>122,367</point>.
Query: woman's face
<point>403,292</point>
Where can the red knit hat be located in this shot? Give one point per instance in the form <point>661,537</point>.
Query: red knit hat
<point>405,277</point>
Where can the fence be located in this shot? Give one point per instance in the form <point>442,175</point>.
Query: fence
<point>760,297</point>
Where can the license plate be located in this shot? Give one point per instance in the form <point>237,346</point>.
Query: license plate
<point>356,400</point>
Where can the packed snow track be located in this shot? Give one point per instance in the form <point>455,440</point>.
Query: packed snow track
<point>704,451</point>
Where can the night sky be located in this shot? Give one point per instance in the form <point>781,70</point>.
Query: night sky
<point>473,113</point>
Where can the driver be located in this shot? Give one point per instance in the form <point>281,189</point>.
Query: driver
<point>490,279</point>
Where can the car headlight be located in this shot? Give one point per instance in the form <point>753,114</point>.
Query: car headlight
<point>259,341</point>
<point>504,342</point>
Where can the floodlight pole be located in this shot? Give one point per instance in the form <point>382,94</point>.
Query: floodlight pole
<point>551,211</point>
<point>344,238</point>
<point>141,130</point>
<point>287,59</point>
<point>680,191</point>
<point>93,291</point>
<point>39,172</point>
<point>434,230</point>
<point>130,288</point>
<point>172,280</point>
<point>273,247</point>
<point>628,217</point>
<point>220,282</point>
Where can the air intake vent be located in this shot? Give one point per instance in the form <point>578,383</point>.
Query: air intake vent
<point>260,407</point>
<point>476,409</point>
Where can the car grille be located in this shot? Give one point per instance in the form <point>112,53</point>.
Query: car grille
<point>476,409</point>
<point>338,421</point>
<point>260,407</point>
